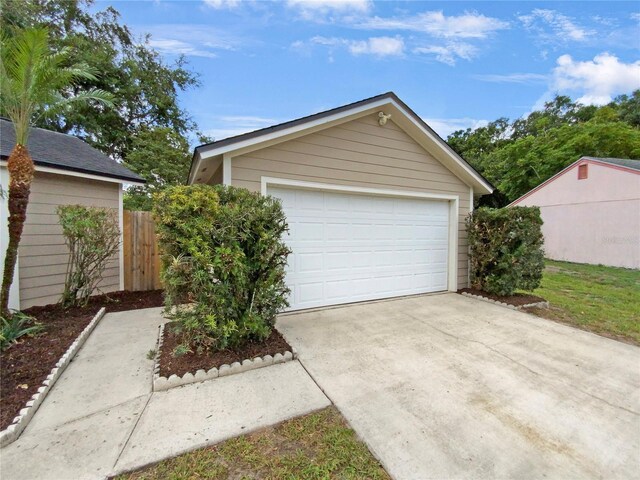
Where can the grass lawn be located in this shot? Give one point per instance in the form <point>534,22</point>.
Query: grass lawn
<point>604,300</point>
<point>316,446</point>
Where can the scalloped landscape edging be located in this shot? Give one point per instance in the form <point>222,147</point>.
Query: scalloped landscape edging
<point>543,304</point>
<point>13,431</point>
<point>164,383</point>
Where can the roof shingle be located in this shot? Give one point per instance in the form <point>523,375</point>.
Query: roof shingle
<point>622,162</point>
<point>66,152</point>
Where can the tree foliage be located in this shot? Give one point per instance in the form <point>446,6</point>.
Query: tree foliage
<point>162,157</point>
<point>93,238</point>
<point>517,156</point>
<point>144,86</point>
<point>223,263</point>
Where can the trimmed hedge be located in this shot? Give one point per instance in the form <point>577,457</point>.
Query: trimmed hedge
<point>506,249</point>
<point>223,263</point>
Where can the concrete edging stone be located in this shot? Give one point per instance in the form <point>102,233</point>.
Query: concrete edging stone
<point>163,383</point>
<point>543,304</point>
<point>13,431</point>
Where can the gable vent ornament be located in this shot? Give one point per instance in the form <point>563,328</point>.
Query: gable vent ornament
<point>383,117</point>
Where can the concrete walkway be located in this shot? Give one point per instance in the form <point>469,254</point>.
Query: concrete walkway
<point>102,418</point>
<point>445,386</point>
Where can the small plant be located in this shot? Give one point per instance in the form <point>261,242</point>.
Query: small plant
<point>93,237</point>
<point>17,325</point>
<point>151,354</point>
<point>223,263</point>
<point>505,247</point>
<point>181,350</point>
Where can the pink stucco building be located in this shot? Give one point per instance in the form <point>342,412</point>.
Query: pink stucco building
<point>591,212</point>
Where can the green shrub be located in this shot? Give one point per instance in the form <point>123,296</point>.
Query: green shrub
<point>223,263</point>
<point>93,237</point>
<point>16,326</point>
<point>506,251</point>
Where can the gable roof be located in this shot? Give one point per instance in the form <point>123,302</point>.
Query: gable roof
<point>621,162</point>
<point>403,116</point>
<point>625,164</point>
<point>64,152</point>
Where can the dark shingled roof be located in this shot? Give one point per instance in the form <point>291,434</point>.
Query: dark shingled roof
<point>622,162</point>
<point>65,152</point>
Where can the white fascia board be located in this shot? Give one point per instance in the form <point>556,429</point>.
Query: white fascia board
<point>14,291</point>
<point>286,182</point>
<point>70,173</point>
<point>302,127</point>
<point>197,160</point>
<point>442,144</point>
<point>121,226</point>
<point>262,141</point>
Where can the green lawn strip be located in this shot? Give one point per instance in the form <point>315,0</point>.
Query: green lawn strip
<point>316,446</point>
<point>597,298</point>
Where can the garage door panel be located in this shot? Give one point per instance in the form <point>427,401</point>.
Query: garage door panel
<point>348,248</point>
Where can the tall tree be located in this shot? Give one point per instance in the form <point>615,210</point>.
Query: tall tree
<point>32,82</point>
<point>144,86</point>
<point>162,157</point>
<point>517,156</point>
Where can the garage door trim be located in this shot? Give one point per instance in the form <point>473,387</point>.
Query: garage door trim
<point>453,200</point>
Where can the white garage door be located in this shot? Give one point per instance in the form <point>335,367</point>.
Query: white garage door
<point>350,248</point>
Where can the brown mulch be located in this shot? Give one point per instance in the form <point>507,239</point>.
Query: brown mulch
<point>192,361</point>
<point>516,299</point>
<point>26,364</point>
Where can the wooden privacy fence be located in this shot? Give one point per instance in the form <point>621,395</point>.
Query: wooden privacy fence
<point>141,254</point>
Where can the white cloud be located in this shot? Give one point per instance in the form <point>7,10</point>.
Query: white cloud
<point>189,39</point>
<point>522,78</point>
<point>598,80</point>
<point>380,46</point>
<point>222,4</point>
<point>318,9</point>
<point>562,27</point>
<point>437,24</point>
<point>448,53</point>
<point>232,125</point>
<point>377,46</point>
<point>177,47</point>
<point>635,16</point>
<point>446,126</point>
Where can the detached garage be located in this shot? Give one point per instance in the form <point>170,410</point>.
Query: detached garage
<point>374,198</point>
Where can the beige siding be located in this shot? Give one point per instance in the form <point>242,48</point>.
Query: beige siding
<point>43,255</point>
<point>358,153</point>
<point>216,179</point>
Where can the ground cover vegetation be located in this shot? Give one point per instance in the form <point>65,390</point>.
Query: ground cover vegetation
<point>597,298</point>
<point>319,445</point>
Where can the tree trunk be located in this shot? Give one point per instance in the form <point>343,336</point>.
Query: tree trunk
<point>21,168</point>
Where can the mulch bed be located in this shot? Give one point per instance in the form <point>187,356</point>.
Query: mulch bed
<point>25,365</point>
<point>517,299</point>
<point>191,362</point>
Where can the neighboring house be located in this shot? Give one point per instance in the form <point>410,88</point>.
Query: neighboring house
<point>591,212</point>
<point>68,171</point>
<point>375,200</point>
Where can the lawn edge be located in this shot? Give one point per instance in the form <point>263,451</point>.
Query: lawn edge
<point>125,470</point>
<point>20,422</point>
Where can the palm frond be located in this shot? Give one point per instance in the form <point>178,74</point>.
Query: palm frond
<point>32,79</point>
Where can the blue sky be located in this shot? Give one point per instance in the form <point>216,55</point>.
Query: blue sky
<point>457,64</point>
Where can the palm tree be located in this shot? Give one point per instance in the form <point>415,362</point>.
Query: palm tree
<point>32,82</point>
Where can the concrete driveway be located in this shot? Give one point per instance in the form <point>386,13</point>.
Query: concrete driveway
<point>445,386</point>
